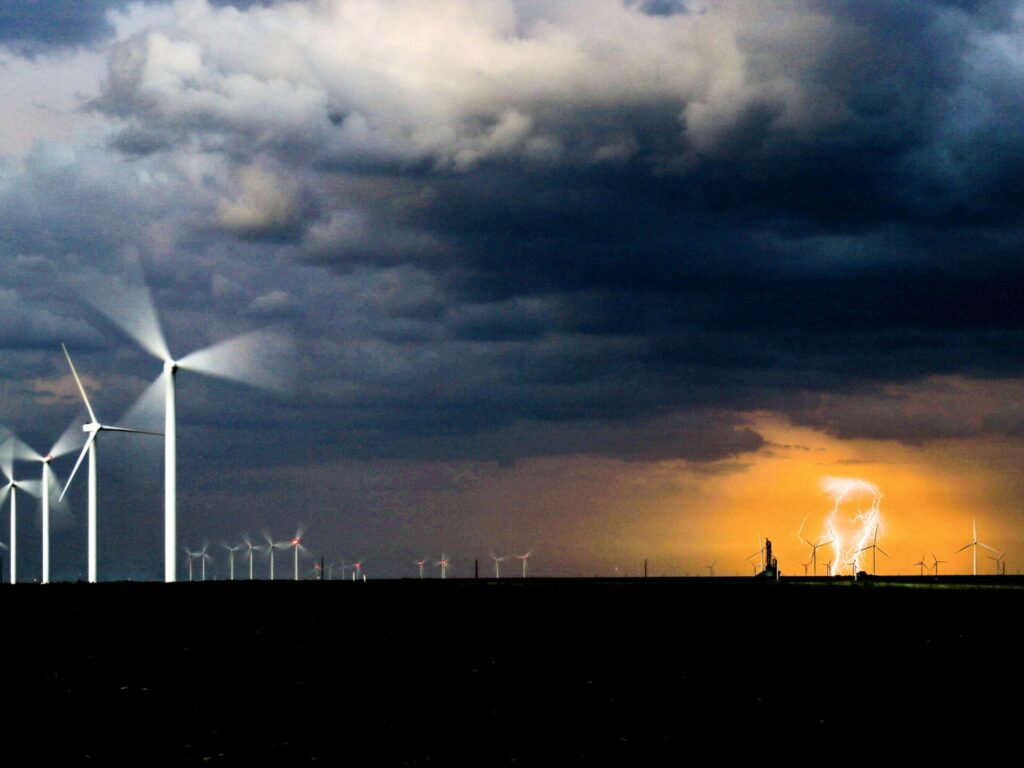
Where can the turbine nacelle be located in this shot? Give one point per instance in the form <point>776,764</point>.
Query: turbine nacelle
<point>91,427</point>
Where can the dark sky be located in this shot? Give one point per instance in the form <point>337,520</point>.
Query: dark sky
<point>501,234</point>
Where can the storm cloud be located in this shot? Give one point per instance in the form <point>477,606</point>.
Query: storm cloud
<point>509,229</point>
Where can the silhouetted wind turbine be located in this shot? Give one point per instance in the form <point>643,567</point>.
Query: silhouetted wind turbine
<point>935,564</point>
<point>711,568</point>
<point>873,546</point>
<point>814,548</point>
<point>974,544</point>
<point>998,559</point>
<point>921,564</point>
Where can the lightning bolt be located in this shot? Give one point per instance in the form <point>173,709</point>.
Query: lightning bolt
<point>847,543</point>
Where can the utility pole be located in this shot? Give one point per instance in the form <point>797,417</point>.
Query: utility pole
<point>476,568</point>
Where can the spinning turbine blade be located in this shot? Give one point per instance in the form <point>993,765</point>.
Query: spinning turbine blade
<point>78,381</point>
<point>125,300</point>
<point>71,440</point>
<point>85,450</point>
<point>132,431</point>
<point>259,358</point>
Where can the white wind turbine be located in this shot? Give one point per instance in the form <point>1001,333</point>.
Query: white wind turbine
<point>421,563</point>
<point>68,442</point>
<point>242,358</point>
<point>974,544</point>
<point>250,549</point>
<point>231,557</point>
<point>271,546</point>
<point>357,569</point>
<point>525,558</point>
<point>497,564</point>
<point>93,429</point>
<point>12,487</point>
<point>444,562</point>
<point>296,545</point>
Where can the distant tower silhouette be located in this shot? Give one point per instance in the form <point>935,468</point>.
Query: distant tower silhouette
<point>771,567</point>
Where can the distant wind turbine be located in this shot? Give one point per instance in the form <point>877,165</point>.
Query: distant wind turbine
<point>296,545</point>
<point>231,557</point>
<point>998,560</point>
<point>497,564</point>
<point>250,549</point>
<point>921,564</point>
<point>936,562</point>
<point>271,546</point>
<point>421,563</point>
<point>711,568</point>
<point>525,558</point>
<point>873,546</point>
<point>93,429</point>
<point>974,544</point>
<point>443,563</point>
<point>814,547</point>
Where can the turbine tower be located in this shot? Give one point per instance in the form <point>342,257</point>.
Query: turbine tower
<point>420,563</point>
<point>974,544</point>
<point>814,547</point>
<point>296,545</point>
<point>497,564</point>
<point>93,429</point>
<point>525,558</point>
<point>231,557</point>
<point>921,564</point>
<point>873,546</point>
<point>271,546</point>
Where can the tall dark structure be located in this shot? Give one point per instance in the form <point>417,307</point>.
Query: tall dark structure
<point>771,567</point>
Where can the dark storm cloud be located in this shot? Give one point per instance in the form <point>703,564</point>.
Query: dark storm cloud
<point>548,228</point>
<point>34,26</point>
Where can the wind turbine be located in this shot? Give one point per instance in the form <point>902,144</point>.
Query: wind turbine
<point>18,449</point>
<point>203,557</point>
<point>921,564</point>
<point>271,546</point>
<point>250,549</point>
<point>974,543</point>
<point>814,547</point>
<point>998,559</point>
<point>935,565</point>
<point>806,566</point>
<point>231,557</point>
<point>525,558</point>
<point>711,569</point>
<point>12,487</point>
<point>828,568</point>
<point>191,556</point>
<point>357,571</point>
<point>296,545</point>
<point>497,564</point>
<point>93,429</point>
<point>873,546</point>
<point>444,563</point>
<point>421,563</point>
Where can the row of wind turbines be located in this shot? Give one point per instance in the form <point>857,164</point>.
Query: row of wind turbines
<point>236,359</point>
<point>830,570</point>
<point>203,556</point>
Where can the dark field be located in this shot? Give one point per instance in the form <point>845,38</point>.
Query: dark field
<point>535,672</point>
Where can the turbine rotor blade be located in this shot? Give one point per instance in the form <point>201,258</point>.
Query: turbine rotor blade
<point>85,450</point>
<point>131,431</point>
<point>78,381</point>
